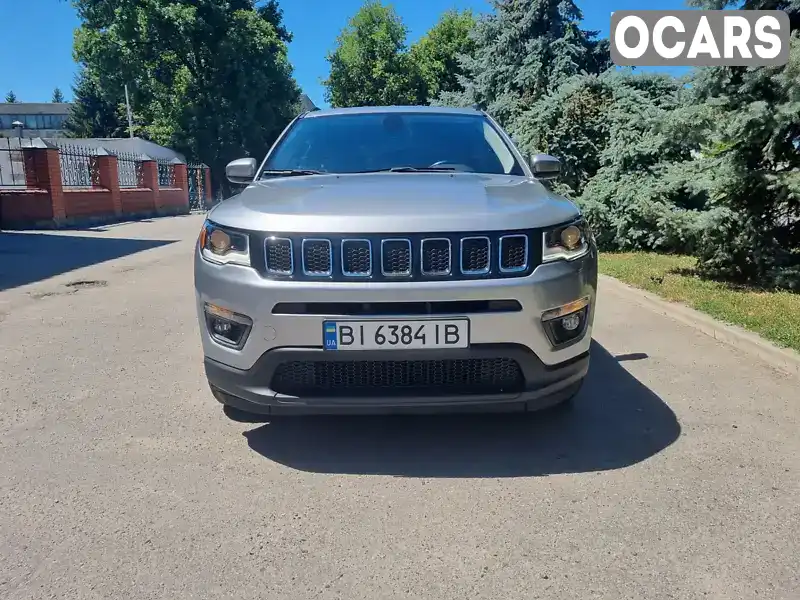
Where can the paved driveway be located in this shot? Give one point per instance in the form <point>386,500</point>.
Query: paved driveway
<point>677,476</point>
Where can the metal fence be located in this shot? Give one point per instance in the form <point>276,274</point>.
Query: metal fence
<point>129,170</point>
<point>12,163</point>
<point>196,174</point>
<point>166,173</point>
<point>78,166</point>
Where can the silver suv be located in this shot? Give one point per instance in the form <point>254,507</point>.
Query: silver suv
<point>394,259</point>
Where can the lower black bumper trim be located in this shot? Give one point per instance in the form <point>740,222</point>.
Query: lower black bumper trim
<point>249,390</point>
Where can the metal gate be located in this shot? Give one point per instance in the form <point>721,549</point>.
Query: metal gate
<point>197,187</point>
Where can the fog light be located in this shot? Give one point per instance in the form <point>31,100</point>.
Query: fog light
<point>227,327</point>
<point>221,327</point>
<point>571,322</point>
<point>566,323</point>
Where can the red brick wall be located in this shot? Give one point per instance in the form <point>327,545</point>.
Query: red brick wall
<point>24,205</point>
<point>45,200</point>
<point>173,197</point>
<point>137,200</point>
<point>88,202</point>
<point>178,196</point>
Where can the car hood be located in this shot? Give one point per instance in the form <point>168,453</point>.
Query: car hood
<point>393,203</point>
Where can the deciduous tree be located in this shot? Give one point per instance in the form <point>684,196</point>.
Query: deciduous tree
<point>437,53</point>
<point>370,64</point>
<point>210,78</point>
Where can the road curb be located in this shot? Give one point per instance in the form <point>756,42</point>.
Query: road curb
<point>785,360</point>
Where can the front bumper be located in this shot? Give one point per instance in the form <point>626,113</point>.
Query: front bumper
<point>249,390</point>
<point>244,377</point>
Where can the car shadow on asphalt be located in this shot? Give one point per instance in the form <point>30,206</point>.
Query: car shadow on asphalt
<point>616,422</point>
<point>30,257</point>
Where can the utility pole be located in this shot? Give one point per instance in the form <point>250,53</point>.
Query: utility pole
<point>128,106</point>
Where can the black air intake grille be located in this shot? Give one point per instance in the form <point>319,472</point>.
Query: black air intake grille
<point>398,377</point>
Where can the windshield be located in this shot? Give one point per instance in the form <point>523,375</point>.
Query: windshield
<point>382,141</point>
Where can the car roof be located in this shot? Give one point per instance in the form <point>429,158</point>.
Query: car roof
<point>357,110</point>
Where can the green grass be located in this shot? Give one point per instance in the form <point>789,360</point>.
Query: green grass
<point>773,315</point>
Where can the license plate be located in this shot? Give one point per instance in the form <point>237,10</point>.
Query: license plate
<point>395,335</point>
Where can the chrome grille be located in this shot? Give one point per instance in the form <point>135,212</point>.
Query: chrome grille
<point>278,255</point>
<point>475,255</point>
<point>412,257</point>
<point>435,256</point>
<point>357,258</point>
<point>396,257</point>
<point>317,257</point>
<point>513,253</point>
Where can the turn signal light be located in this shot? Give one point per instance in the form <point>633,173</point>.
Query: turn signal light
<point>227,327</point>
<point>565,309</point>
<point>566,323</point>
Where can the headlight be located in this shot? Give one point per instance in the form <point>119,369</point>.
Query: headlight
<point>566,242</point>
<point>222,246</point>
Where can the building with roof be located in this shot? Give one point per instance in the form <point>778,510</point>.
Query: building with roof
<point>306,103</point>
<point>46,119</point>
<point>134,145</point>
<point>39,119</point>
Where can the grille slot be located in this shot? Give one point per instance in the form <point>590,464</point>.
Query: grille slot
<point>513,253</point>
<point>475,255</point>
<point>437,377</point>
<point>357,258</point>
<point>279,256</point>
<point>396,257</point>
<point>317,257</point>
<point>435,256</point>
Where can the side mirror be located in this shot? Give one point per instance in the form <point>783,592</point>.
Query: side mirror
<point>241,170</point>
<point>545,166</point>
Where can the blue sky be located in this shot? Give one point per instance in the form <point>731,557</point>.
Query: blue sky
<point>46,27</point>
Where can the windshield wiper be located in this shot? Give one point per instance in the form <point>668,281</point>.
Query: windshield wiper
<point>289,172</point>
<point>410,170</point>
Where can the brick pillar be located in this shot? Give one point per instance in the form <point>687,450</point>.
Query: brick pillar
<point>108,178</point>
<point>29,160</point>
<point>45,175</point>
<point>182,180</point>
<point>150,180</point>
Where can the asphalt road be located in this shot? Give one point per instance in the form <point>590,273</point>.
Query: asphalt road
<point>676,476</point>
